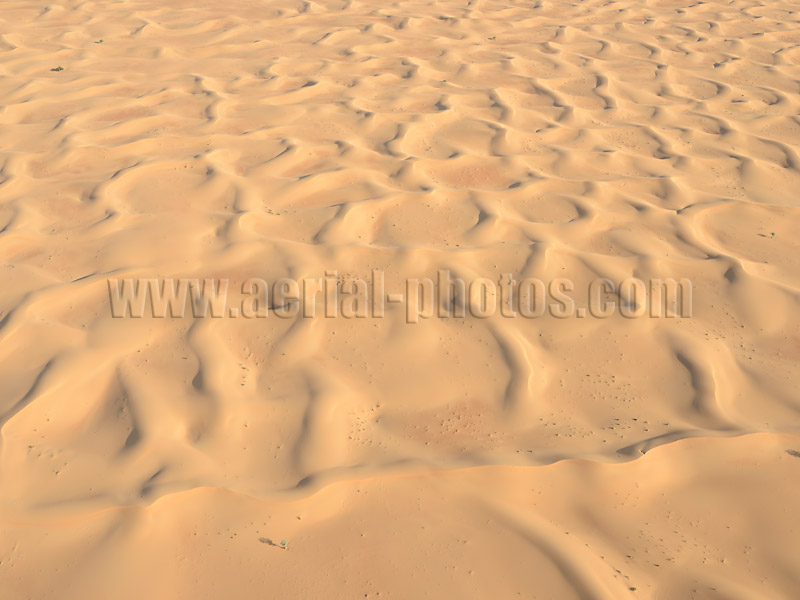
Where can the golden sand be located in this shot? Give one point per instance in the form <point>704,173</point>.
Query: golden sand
<point>496,457</point>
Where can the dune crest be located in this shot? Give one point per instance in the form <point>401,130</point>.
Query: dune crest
<point>549,457</point>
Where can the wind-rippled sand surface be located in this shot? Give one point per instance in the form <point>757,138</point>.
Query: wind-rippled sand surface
<point>453,458</point>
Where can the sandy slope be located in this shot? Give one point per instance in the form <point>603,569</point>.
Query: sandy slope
<point>468,458</point>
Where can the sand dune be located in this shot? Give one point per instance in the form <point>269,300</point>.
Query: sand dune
<point>453,457</point>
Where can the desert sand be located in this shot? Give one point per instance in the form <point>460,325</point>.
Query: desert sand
<point>374,458</point>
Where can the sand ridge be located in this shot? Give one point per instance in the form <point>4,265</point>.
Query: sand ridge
<point>512,457</point>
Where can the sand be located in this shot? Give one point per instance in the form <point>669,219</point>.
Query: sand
<point>460,457</point>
